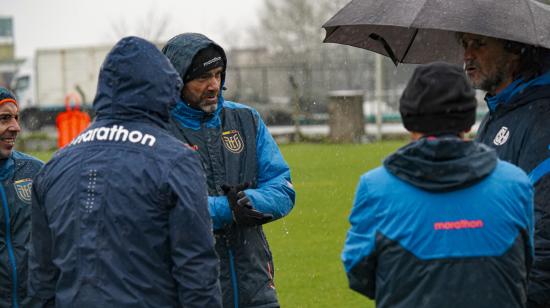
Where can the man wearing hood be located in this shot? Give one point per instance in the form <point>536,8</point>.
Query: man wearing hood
<point>516,78</point>
<point>248,179</point>
<point>120,216</point>
<point>443,223</point>
<point>17,171</point>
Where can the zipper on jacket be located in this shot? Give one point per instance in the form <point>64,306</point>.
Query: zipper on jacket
<point>10,246</point>
<point>233,278</point>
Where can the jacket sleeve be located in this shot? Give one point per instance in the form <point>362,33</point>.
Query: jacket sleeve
<point>535,160</point>
<point>359,255</point>
<point>220,212</point>
<point>539,280</point>
<point>274,193</point>
<point>42,276</point>
<point>195,263</point>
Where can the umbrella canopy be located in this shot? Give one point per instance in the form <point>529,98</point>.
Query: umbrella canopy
<point>421,31</point>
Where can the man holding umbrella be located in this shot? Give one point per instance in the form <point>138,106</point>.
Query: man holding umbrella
<point>516,77</point>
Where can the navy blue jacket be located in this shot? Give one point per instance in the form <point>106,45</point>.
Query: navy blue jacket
<point>16,173</point>
<point>442,224</point>
<point>518,128</point>
<point>235,147</point>
<point>120,216</point>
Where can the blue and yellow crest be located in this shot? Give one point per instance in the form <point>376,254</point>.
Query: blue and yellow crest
<point>232,141</point>
<point>23,189</point>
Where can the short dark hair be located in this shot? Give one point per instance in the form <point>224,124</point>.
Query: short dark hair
<point>533,61</point>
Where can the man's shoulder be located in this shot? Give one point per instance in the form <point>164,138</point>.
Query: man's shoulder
<point>506,172</point>
<point>25,164</point>
<point>23,157</point>
<point>377,177</point>
<point>534,100</point>
<point>239,107</point>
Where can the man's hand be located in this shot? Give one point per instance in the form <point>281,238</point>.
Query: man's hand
<point>243,212</point>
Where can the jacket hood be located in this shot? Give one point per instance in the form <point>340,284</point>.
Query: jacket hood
<point>442,164</point>
<point>182,48</point>
<point>136,82</point>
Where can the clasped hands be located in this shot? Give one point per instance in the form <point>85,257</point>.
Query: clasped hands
<point>243,212</point>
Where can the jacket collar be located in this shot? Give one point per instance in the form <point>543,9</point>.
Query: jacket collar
<point>442,163</point>
<point>518,86</point>
<point>190,117</point>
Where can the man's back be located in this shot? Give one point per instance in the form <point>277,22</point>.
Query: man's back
<point>452,246</point>
<point>120,215</point>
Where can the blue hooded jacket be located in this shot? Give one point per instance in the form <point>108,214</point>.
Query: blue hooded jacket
<point>120,215</point>
<point>442,224</point>
<point>274,193</point>
<point>235,147</point>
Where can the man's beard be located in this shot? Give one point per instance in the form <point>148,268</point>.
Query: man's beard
<point>492,82</point>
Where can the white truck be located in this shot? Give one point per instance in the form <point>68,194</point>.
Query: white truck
<point>41,85</point>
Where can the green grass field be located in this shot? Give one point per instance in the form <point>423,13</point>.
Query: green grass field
<point>306,245</point>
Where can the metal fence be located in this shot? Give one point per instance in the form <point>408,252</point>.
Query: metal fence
<point>276,87</point>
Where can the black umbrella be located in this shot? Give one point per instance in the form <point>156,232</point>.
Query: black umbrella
<point>421,31</point>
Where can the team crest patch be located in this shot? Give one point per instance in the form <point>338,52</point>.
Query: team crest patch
<point>23,189</point>
<point>233,141</point>
<point>502,136</point>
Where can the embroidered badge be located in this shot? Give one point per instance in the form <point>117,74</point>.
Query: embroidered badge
<point>502,136</point>
<point>232,141</point>
<point>23,189</point>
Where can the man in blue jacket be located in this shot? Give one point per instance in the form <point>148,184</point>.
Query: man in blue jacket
<point>248,180</point>
<point>119,216</point>
<point>17,171</point>
<point>443,223</point>
<point>516,78</point>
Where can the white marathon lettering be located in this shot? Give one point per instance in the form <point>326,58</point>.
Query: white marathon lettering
<point>211,61</point>
<point>116,134</point>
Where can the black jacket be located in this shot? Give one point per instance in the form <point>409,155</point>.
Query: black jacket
<point>519,131</point>
<point>120,215</point>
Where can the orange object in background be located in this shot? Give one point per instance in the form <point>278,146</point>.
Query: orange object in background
<point>70,122</point>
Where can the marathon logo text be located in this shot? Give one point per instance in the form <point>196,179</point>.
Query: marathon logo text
<point>115,134</point>
<point>459,224</point>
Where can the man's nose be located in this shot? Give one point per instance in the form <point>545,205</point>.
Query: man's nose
<point>14,126</point>
<point>214,83</point>
<point>468,54</point>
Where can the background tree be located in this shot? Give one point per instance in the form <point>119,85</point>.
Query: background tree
<point>292,31</point>
<point>152,26</point>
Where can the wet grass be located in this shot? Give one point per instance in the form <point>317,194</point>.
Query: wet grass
<point>306,245</point>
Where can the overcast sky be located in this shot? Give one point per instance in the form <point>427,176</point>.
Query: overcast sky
<point>67,23</point>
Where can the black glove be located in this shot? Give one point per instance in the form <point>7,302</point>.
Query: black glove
<point>243,212</point>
